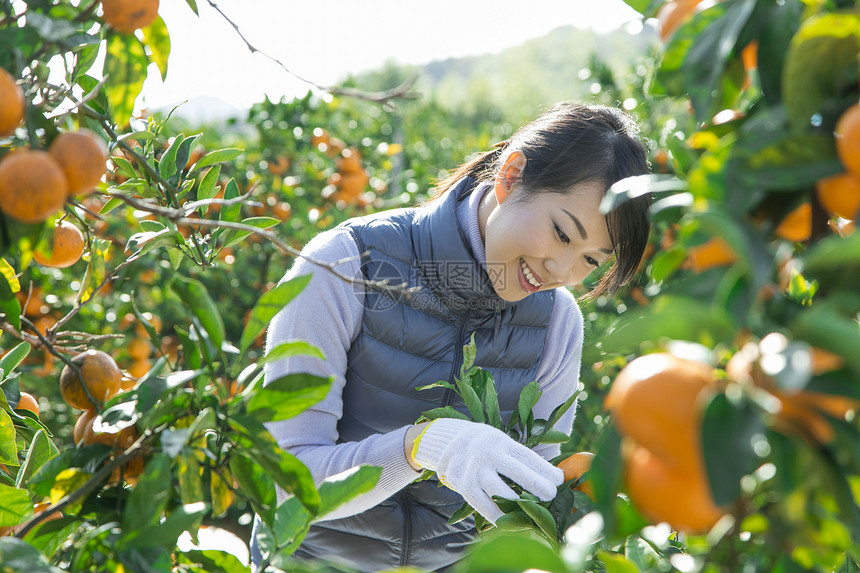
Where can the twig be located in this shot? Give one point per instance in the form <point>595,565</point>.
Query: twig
<point>399,92</point>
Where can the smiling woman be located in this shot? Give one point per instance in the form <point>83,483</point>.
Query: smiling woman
<point>490,257</point>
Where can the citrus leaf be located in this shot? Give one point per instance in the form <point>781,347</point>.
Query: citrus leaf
<point>339,489</point>
<point>209,185</point>
<point>222,494</point>
<point>291,348</point>
<point>270,304</point>
<point>16,506</point>
<point>8,449</point>
<point>41,450</point>
<point>167,163</point>
<point>728,428</point>
<point>13,358</point>
<point>515,552</point>
<point>188,472</point>
<point>217,156</point>
<point>149,498</point>
<point>18,556</point>
<point>197,299</point>
<point>287,397</point>
<point>125,66</point>
<point>157,39</point>
<point>185,518</point>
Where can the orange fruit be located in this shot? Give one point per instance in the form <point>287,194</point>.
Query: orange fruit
<point>664,493</point>
<point>139,348</point>
<point>118,440</point>
<point>99,372</point>
<point>656,401</point>
<point>127,383</point>
<point>129,472</point>
<point>84,424</point>
<point>320,137</point>
<point>350,161</point>
<point>574,466</point>
<point>83,157</point>
<point>840,194</point>
<point>714,253</point>
<point>749,56</point>
<point>140,367</point>
<point>68,246</point>
<point>808,410</point>
<point>797,225</point>
<point>278,165</point>
<point>847,134</point>
<point>12,104</point>
<point>126,16</point>
<point>28,402</point>
<point>32,186</point>
<point>352,185</point>
<point>674,13</point>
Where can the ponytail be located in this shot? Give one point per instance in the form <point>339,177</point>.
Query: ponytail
<point>481,168</point>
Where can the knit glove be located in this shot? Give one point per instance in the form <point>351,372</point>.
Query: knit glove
<point>470,458</point>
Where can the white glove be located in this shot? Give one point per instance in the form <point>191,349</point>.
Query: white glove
<point>469,458</point>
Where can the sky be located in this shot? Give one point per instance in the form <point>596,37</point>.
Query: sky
<point>324,40</point>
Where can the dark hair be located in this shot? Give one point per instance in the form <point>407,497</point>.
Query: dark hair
<point>574,143</point>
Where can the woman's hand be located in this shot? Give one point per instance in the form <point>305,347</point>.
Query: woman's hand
<point>470,458</point>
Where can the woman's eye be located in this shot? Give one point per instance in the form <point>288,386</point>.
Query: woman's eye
<point>564,238</point>
<point>591,261</point>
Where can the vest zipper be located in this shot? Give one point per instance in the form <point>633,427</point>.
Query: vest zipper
<point>407,529</point>
<point>458,359</point>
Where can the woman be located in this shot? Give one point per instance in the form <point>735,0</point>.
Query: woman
<point>490,255</point>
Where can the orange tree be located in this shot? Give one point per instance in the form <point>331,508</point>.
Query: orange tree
<point>754,274</point>
<point>155,425</point>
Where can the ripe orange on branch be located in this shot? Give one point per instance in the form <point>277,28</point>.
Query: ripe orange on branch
<point>840,194</point>
<point>68,246</point>
<point>656,400</point>
<point>714,253</point>
<point>847,134</point>
<point>98,371</point>
<point>83,157</point>
<point>574,466</point>
<point>680,497</point>
<point>28,402</point>
<point>12,104</point>
<point>126,16</point>
<point>32,185</point>
<point>674,13</point>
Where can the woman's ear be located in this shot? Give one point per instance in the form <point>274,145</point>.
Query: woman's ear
<point>509,174</point>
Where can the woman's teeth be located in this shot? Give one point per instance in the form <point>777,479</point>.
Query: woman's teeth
<point>529,276</point>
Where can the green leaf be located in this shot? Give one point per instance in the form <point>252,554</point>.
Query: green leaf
<point>832,257</point>
<point>233,212</point>
<point>185,518</point>
<point>96,269</point>
<point>217,156</point>
<point>167,163</point>
<point>470,352</point>
<point>339,489</point>
<point>125,68</point>
<point>286,469</point>
<point>142,243</point>
<point>666,262</point>
<point>270,304</point>
<point>196,298</point>
<point>783,160</point>
<point>287,396</point>
<point>529,397</point>
<point>822,326</point>
<point>490,400</point>
<point>222,494</point>
<point>209,184</point>
<point>728,429</point>
<point>149,498</point>
<point>8,301</point>
<point>254,483</point>
<point>41,450</point>
<point>508,553</point>
<point>259,222</point>
<point>188,472</point>
<point>443,412</point>
<point>14,357</point>
<point>825,46</point>
<point>514,521</point>
<point>462,513</point>
<point>183,153</point>
<point>15,507</point>
<point>616,563</point>
<point>291,348</point>
<point>541,516</point>
<point>8,449</point>
<point>669,317</point>
<point>210,560</point>
<point>193,5</point>
<point>18,556</point>
<point>157,39</point>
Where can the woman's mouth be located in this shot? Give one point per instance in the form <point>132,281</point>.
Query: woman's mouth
<point>528,280</point>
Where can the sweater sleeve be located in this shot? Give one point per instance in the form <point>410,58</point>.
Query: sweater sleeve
<point>558,373</point>
<point>328,314</point>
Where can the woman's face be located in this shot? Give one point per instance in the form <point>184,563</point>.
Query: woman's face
<point>547,241</point>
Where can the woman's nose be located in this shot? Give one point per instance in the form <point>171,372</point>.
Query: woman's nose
<point>565,270</point>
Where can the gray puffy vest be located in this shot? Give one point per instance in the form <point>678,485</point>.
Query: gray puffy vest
<point>412,341</point>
